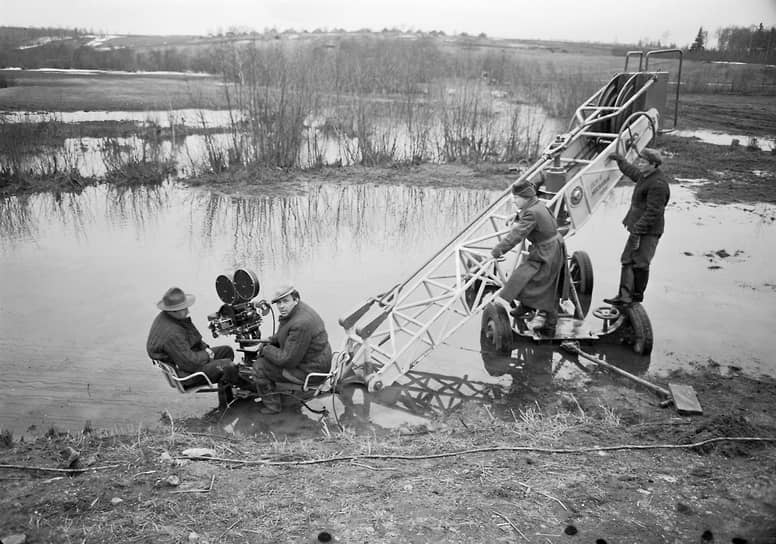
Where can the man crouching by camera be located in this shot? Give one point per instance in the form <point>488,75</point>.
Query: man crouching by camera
<point>300,346</point>
<point>174,339</point>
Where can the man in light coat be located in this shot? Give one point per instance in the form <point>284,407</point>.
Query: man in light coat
<point>534,283</point>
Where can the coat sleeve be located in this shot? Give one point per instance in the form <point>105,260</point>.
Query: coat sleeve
<point>292,352</point>
<point>630,170</point>
<point>184,357</point>
<point>657,196</point>
<point>520,229</point>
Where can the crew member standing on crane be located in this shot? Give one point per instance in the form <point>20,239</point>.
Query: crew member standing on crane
<point>645,223</point>
<point>534,282</point>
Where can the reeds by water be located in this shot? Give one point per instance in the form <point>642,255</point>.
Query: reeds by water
<point>369,100</point>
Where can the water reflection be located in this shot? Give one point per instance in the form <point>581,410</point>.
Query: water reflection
<point>422,394</point>
<point>415,399</point>
<point>82,271</point>
<point>271,227</point>
<point>163,118</point>
<point>523,130</point>
<point>538,370</point>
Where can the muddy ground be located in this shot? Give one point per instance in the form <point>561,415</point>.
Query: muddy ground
<point>600,463</point>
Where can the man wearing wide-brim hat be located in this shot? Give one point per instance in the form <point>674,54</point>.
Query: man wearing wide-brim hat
<point>174,339</point>
<point>534,282</point>
<point>299,346</point>
<point>645,222</point>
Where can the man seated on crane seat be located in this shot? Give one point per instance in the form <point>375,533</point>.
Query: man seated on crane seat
<point>534,282</point>
<point>299,346</point>
<point>174,339</point>
<point>645,222</point>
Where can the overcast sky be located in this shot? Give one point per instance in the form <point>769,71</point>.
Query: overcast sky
<point>625,21</point>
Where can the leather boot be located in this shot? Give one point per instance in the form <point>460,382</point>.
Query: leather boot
<point>625,296</point>
<point>640,280</point>
<point>521,311</point>
<point>270,400</point>
<point>550,323</point>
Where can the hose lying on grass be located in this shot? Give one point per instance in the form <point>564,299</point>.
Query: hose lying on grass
<point>591,449</point>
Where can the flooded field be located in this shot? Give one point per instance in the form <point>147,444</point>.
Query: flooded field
<point>82,273</point>
<point>192,154</point>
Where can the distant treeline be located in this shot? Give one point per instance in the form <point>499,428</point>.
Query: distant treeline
<point>67,48</point>
<point>755,44</point>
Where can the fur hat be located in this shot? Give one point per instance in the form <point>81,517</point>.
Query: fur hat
<point>175,299</point>
<point>524,188</point>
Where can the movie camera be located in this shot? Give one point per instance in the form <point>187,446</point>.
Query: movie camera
<point>239,315</point>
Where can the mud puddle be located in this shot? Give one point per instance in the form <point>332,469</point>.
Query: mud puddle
<point>767,143</point>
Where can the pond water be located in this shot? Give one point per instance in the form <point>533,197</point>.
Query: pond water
<point>81,274</point>
<point>164,118</point>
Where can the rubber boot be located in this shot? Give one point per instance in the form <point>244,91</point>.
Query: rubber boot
<point>640,280</point>
<point>625,296</point>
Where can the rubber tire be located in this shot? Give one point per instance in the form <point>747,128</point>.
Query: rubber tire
<point>581,266</point>
<point>642,327</point>
<point>471,293</point>
<point>580,261</point>
<point>496,329</point>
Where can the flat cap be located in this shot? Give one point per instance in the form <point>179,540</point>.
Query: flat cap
<point>283,290</point>
<point>651,155</point>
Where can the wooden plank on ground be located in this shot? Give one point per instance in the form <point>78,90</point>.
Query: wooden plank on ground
<point>685,400</point>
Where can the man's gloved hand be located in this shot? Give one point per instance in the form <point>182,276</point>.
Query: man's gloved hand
<point>634,241</point>
<point>496,253</point>
<point>616,157</point>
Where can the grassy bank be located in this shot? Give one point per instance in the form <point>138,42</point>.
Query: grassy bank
<point>606,465</point>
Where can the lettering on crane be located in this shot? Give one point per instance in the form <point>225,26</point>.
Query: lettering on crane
<point>598,185</point>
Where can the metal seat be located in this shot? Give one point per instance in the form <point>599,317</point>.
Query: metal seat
<point>184,384</point>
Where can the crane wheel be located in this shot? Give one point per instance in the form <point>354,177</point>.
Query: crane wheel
<point>495,329</point>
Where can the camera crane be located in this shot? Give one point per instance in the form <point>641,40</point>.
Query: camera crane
<point>392,332</point>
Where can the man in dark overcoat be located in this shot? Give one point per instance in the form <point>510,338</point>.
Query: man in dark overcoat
<point>299,346</point>
<point>174,339</point>
<point>645,222</point>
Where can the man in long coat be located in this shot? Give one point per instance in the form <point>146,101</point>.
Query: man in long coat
<point>534,282</point>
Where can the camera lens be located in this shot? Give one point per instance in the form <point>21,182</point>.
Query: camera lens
<point>246,283</point>
<point>225,289</point>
